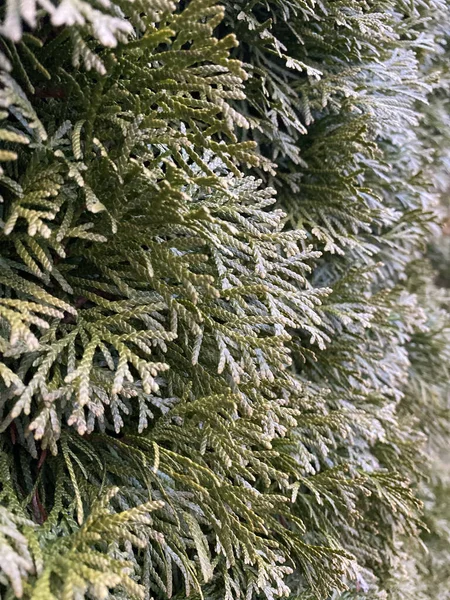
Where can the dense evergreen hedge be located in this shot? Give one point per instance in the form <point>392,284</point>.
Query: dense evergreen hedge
<point>224,330</point>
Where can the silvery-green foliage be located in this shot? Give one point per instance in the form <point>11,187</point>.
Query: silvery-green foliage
<point>203,395</point>
<point>350,100</point>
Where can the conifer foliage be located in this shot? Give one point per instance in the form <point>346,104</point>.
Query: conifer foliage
<point>224,358</point>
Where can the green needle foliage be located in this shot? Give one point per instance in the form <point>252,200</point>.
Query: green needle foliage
<point>350,99</point>
<point>202,394</point>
